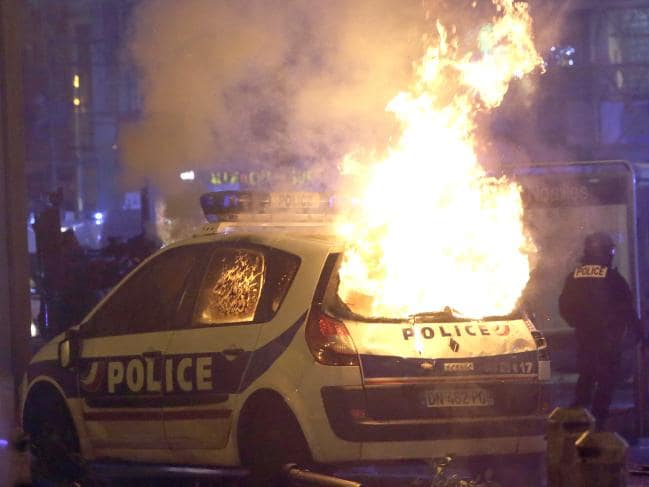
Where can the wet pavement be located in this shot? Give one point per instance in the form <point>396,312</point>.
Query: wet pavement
<point>14,465</point>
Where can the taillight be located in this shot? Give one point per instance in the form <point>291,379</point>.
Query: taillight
<point>542,354</point>
<point>541,345</point>
<point>328,339</point>
<point>539,339</point>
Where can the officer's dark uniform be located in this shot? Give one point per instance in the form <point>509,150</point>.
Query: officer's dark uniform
<point>597,302</point>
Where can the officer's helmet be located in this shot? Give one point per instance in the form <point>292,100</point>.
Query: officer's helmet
<point>600,247</point>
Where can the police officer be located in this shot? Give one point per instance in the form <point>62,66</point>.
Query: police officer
<point>597,302</point>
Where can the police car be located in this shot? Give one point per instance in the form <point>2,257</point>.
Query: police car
<point>233,348</point>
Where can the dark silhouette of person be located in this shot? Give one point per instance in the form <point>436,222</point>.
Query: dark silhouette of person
<point>597,302</point>
<point>75,290</point>
<point>47,228</point>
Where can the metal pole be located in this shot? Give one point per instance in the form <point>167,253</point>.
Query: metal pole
<point>14,262</point>
<point>304,477</point>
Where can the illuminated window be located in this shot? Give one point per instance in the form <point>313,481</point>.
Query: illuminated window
<point>231,288</point>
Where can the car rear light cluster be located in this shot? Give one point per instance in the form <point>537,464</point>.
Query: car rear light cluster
<point>328,339</point>
<point>542,354</point>
<point>541,345</point>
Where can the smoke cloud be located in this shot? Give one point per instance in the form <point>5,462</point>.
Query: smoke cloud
<point>281,84</point>
<point>266,83</point>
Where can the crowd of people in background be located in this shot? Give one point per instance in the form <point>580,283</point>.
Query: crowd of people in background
<point>71,279</point>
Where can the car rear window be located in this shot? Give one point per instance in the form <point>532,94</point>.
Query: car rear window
<point>357,306</point>
<point>282,268</point>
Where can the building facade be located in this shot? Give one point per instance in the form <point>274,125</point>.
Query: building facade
<point>593,100</point>
<point>79,86</point>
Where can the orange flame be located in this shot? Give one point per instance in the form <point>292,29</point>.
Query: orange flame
<point>448,236</point>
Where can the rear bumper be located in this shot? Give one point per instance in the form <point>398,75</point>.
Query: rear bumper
<point>346,413</point>
<point>420,430</point>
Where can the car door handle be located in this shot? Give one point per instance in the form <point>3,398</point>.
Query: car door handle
<point>152,353</point>
<point>233,351</point>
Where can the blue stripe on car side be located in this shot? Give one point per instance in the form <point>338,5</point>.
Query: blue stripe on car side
<point>264,357</point>
<point>231,373</point>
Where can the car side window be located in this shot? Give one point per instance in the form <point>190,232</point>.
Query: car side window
<point>282,268</point>
<point>149,299</point>
<point>231,288</point>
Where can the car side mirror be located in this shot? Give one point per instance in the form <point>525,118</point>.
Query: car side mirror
<point>69,349</point>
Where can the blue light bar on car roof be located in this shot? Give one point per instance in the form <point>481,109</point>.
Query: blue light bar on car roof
<point>232,205</point>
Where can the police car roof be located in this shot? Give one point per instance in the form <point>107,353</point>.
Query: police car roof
<point>288,220</point>
<point>284,238</point>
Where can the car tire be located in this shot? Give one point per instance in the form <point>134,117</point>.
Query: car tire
<point>54,446</point>
<point>270,438</point>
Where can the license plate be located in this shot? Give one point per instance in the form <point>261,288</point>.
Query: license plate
<point>452,398</point>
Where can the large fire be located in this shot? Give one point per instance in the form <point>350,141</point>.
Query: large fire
<point>448,235</point>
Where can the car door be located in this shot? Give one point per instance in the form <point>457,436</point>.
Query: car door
<point>242,288</point>
<point>121,376</point>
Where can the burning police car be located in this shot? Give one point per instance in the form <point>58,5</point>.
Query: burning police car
<point>234,347</point>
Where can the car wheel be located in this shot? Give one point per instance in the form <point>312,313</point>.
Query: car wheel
<point>53,441</point>
<point>270,437</point>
